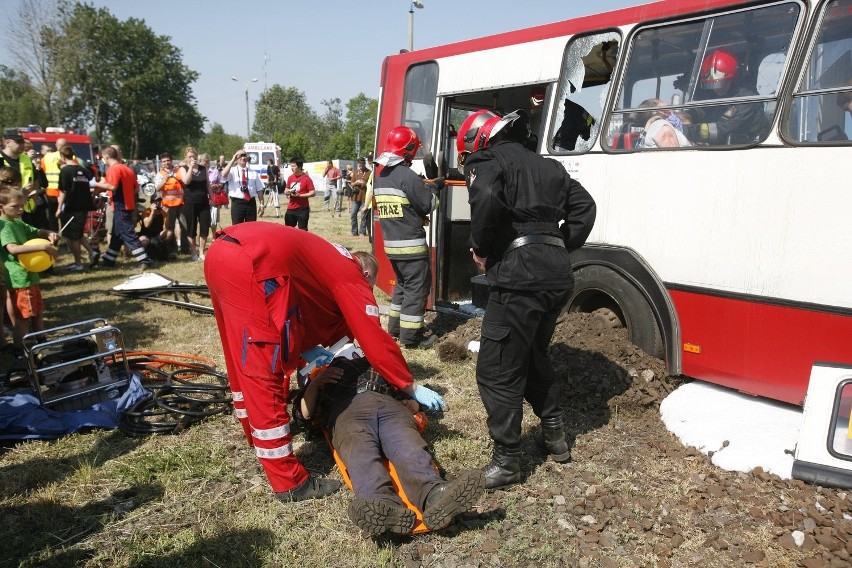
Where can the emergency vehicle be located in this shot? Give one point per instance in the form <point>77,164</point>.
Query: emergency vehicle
<point>259,154</point>
<point>730,259</point>
<point>81,143</point>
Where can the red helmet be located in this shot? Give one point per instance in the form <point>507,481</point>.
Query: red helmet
<point>478,128</point>
<point>403,142</point>
<point>718,66</point>
<point>537,97</point>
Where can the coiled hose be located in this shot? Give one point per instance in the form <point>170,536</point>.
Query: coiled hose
<point>185,389</point>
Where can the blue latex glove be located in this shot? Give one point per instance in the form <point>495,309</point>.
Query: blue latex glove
<point>318,355</point>
<point>429,398</point>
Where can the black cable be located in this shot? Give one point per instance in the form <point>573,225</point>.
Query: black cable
<point>178,398</point>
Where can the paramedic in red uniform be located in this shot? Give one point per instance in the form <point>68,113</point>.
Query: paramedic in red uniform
<point>278,295</point>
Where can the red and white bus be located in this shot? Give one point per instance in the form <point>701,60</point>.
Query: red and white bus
<point>731,257</point>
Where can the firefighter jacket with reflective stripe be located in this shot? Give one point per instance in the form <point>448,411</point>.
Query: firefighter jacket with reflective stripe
<point>172,190</point>
<point>51,166</point>
<point>403,204</point>
<point>323,289</point>
<point>514,192</point>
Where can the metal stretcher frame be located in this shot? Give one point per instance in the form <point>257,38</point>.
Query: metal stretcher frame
<point>174,293</point>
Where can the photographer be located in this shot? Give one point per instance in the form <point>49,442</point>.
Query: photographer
<point>153,232</point>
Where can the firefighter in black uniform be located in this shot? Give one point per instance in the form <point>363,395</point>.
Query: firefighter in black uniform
<point>403,202</point>
<point>725,124</point>
<point>527,215</point>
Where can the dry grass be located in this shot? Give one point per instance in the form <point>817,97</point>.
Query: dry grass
<point>201,499</point>
<point>198,499</point>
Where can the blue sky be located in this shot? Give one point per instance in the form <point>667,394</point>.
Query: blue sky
<point>326,48</point>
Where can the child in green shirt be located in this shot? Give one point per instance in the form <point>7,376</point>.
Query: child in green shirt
<point>25,295</point>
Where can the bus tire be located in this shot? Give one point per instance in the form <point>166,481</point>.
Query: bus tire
<point>601,288</point>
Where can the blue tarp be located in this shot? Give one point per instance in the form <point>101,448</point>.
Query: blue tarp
<point>23,417</point>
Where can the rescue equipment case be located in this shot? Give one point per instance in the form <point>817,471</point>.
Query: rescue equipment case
<point>74,366</point>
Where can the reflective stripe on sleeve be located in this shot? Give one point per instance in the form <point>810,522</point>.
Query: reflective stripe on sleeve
<point>240,413</point>
<point>237,396</point>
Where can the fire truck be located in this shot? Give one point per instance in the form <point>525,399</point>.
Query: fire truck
<point>81,143</point>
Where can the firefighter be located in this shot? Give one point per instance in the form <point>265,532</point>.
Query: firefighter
<point>278,295</point>
<point>527,215</point>
<point>727,123</point>
<point>403,202</point>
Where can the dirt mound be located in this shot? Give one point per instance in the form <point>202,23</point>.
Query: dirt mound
<point>589,352</point>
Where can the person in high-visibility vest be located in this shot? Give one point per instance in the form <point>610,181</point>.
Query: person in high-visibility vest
<point>51,163</point>
<point>13,156</point>
<point>170,186</point>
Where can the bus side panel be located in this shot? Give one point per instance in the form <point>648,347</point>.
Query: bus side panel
<point>761,349</point>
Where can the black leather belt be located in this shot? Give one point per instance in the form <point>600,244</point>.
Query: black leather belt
<point>534,240</point>
<point>375,386</point>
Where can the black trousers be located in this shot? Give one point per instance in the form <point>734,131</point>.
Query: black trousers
<point>513,364</point>
<point>297,217</point>
<point>242,210</point>
<point>408,300</point>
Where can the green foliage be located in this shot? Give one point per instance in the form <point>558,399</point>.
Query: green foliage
<point>20,103</point>
<point>125,80</point>
<point>217,142</point>
<point>79,66</point>
<point>282,115</point>
<point>361,112</point>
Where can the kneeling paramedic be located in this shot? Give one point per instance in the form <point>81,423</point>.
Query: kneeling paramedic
<point>369,419</point>
<point>527,215</point>
<point>278,295</point>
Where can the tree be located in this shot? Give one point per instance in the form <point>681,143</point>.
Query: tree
<point>20,102</point>
<point>361,112</point>
<point>112,74</point>
<point>217,142</point>
<point>30,40</point>
<point>283,115</point>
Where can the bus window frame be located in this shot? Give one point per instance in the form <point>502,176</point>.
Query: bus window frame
<point>555,91</point>
<point>796,91</point>
<point>426,143</point>
<point>782,87</point>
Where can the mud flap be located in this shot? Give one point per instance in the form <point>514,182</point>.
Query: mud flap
<point>824,451</point>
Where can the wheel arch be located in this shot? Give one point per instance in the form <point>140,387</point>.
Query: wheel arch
<point>631,266</point>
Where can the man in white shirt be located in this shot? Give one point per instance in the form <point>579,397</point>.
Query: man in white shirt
<point>244,185</point>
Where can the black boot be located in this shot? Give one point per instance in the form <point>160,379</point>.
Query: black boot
<point>446,500</point>
<point>504,468</point>
<point>377,516</point>
<point>554,439</point>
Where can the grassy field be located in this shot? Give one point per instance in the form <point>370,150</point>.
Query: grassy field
<point>633,496</point>
<point>198,498</point>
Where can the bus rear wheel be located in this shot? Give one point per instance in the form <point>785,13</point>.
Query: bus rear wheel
<point>602,290</point>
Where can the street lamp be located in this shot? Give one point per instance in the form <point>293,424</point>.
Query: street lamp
<point>248,128</point>
<point>414,4</point>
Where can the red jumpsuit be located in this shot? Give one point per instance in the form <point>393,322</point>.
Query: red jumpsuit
<point>277,292</point>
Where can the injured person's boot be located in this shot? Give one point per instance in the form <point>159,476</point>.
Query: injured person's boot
<point>446,500</point>
<point>377,516</point>
<point>504,468</point>
<point>555,441</point>
<point>311,488</point>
